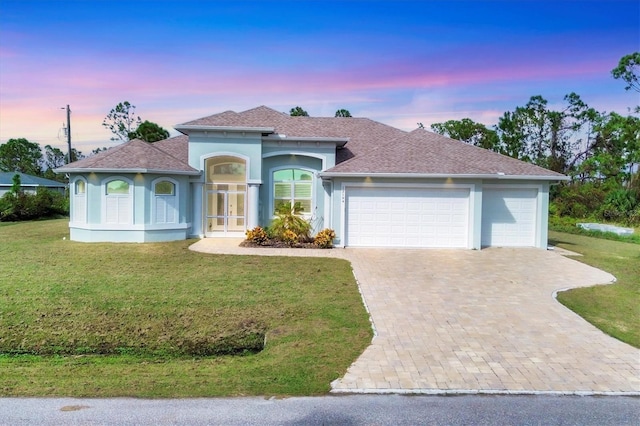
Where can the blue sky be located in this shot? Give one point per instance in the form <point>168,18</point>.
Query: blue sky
<point>399,62</point>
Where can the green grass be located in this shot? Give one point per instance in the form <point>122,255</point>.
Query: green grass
<point>615,309</point>
<point>104,319</point>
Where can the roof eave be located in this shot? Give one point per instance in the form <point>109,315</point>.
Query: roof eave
<point>445,175</point>
<point>186,128</point>
<point>132,170</point>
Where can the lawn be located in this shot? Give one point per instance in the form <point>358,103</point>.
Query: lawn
<point>615,309</point>
<point>158,320</point>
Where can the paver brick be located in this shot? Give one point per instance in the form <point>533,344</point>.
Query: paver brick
<point>469,320</point>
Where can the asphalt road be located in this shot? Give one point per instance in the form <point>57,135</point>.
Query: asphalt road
<point>328,410</point>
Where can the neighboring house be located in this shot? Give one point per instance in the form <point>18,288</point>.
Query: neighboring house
<point>375,185</point>
<point>28,183</point>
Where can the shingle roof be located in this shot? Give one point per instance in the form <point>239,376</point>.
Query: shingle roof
<point>424,152</point>
<point>6,179</point>
<point>372,148</point>
<point>169,155</point>
<point>363,134</point>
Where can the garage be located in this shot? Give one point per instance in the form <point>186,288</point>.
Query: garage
<point>407,217</point>
<point>509,217</point>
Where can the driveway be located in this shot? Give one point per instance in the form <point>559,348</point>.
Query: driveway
<point>460,321</point>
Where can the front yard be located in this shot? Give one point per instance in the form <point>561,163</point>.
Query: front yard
<point>615,309</point>
<point>157,320</point>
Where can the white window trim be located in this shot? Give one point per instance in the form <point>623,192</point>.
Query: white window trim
<point>272,189</point>
<point>75,198</point>
<point>155,199</point>
<point>103,188</point>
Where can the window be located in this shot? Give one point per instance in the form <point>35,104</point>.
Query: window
<point>165,187</point>
<point>117,187</point>
<point>166,206</point>
<point>79,202</point>
<point>293,186</point>
<point>226,169</point>
<point>80,187</point>
<point>118,203</point>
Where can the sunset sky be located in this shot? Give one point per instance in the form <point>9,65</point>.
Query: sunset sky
<point>398,62</point>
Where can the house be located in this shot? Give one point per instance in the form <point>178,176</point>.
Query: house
<point>375,185</point>
<point>29,183</point>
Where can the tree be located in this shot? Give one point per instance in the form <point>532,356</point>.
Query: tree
<point>53,158</point>
<point>121,121</point>
<point>343,113</point>
<point>20,155</point>
<point>149,132</point>
<point>628,70</point>
<point>468,131</point>
<point>298,112</point>
<point>549,138</point>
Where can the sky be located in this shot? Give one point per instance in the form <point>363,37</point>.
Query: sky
<point>397,62</point>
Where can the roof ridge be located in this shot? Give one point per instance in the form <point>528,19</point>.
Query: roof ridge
<point>152,144</point>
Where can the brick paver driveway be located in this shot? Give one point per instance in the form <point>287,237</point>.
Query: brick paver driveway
<point>476,321</point>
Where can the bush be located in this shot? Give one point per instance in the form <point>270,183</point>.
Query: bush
<point>288,219</point>
<point>24,206</point>
<point>324,238</point>
<point>620,205</point>
<point>578,200</point>
<point>257,235</point>
<point>289,237</point>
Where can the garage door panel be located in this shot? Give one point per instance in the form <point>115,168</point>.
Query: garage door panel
<point>392,217</point>
<point>509,217</point>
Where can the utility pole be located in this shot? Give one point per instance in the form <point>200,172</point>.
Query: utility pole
<point>69,132</point>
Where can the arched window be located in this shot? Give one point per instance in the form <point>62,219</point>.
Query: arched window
<point>293,186</point>
<point>118,202</point>
<point>79,211</point>
<point>165,201</point>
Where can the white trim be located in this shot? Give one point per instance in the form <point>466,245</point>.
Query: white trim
<point>272,195</point>
<point>205,157</point>
<point>131,197</point>
<point>131,227</point>
<point>442,176</point>
<point>539,203</point>
<point>74,198</point>
<point>470,216</point>
<point>223,129</point>
<point>112,170</point>
<point>154,196</point>
<point>205,192</point>
<point>300,153</point>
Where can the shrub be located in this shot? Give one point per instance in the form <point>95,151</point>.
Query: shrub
<point>289,237</point>
<point>24,206</point>
<point>578,200</point>
<point>257,235</point>
<point>288,219</point>
<point>619,206</point>
<point>324,238</point>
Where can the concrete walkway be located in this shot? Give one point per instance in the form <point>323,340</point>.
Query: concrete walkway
<point>464,321</point>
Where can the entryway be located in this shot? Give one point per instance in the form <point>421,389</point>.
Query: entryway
<point>225,197</point>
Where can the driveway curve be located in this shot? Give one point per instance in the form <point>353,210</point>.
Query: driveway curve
<point>465,321</point>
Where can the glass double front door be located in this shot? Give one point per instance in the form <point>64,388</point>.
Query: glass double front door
<point>226,213</point>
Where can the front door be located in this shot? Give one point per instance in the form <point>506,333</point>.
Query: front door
<point>226,210</point>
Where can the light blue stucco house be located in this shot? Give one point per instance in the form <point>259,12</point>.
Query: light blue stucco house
<point>375,185</point>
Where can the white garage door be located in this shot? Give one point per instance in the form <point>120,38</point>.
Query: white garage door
<point>509,217</point>
<point>407,217</point>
